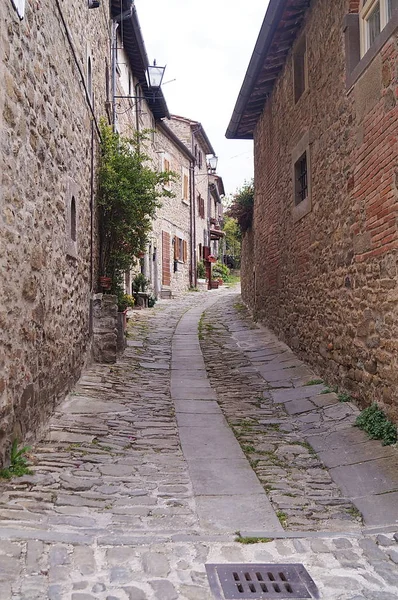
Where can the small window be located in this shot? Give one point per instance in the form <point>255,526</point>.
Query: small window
<point>185,185</point>
<point>180,249</point>
<point>375,15</point>
<point>300,74</point>
<point>200,158</point>
<point>73,219</point>
<point>201,207</point>
<point>301,179</point>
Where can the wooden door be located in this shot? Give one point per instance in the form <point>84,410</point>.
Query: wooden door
<point>166,273</point>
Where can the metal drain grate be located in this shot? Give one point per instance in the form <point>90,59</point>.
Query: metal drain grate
<point>282,581</point>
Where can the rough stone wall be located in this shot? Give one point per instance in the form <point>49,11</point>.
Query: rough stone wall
<point>173,217</point>
<point>45,159</point>
<point>183,130</point>
<point>327,282</point>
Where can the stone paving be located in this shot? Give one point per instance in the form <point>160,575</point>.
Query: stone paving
<point>115,509</point>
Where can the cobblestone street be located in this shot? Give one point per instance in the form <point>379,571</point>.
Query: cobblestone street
<point>139,481</point>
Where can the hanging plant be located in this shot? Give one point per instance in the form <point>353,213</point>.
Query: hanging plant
<point>130,191</point>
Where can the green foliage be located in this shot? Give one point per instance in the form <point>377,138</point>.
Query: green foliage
<point>242,206</point>
<point>125,301</point>
<point>220,271</point>
<point>128,196</point>
<point>377,425</point>
<point>233,237</point>
<point>344,397</point>
<point>140,283</point>
<point>252,540</point>
<point>201,270</point>
<point>314,382</point>
<point>18,462</point>
<point>282,516</point>
<point>152,301</point>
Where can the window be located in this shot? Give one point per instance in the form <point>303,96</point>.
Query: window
<point>301,179</point>
<point>166,169</point>
<point>180,249</point>
<point>19,6</point>
<point>375,15</point>
<point>72,220</point>
<point>300,71</point>
<point>201,207</point>
<point>200,159</point>
<point>185,185</point>
<point>301,174</point>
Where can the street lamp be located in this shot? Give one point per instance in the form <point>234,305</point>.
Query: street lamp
<point>154,76</point>
<point>212,164</point>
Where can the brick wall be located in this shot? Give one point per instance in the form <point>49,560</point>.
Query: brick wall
<point>327,283</point>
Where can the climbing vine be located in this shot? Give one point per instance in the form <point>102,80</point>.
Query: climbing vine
<point>130,191</point>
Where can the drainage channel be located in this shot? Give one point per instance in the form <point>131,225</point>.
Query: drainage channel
<point>231,581</point>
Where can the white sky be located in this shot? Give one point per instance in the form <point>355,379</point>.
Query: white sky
<point>207,47</point>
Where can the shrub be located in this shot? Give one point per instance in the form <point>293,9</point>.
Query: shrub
<point>377,426</point>
<point>201,270</point>
<point>220,271</point>
<point>242,206</point>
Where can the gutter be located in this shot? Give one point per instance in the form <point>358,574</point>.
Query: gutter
<point>264,40</point>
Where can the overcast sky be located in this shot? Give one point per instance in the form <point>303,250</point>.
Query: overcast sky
<point>206,46</point>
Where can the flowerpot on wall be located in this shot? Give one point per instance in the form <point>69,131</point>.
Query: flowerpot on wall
<point>105,282</point>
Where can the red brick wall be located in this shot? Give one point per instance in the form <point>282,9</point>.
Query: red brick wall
<point>327,284</point>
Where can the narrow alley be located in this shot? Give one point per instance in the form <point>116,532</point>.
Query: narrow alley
<point>139,482</point>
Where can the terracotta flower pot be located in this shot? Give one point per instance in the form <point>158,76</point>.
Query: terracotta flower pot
<point>105,282</point>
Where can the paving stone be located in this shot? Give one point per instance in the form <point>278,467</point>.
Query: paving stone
<point>155,564</point>
<point>164,589</point>
<point>393,555</point>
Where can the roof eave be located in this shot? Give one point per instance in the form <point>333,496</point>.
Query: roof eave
<point>268,28</point>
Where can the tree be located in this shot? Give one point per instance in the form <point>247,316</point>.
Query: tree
<point>242,206</point>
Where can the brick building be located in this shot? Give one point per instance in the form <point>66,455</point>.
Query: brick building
<point>320,261</point>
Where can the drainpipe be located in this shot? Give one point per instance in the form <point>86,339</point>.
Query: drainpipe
<point>114,26</point>
<point>194,275</point>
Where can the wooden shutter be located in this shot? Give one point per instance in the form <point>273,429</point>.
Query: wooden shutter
<point>176,252</point>
<point>185,251</point>
<point>166,273</point>
<point>185,189</point>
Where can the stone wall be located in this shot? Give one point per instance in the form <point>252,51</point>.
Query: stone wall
<point>326,281</point>
<point>48,150</point>
<point>174,218</point>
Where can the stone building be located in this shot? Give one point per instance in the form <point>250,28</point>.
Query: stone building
<point>193,135</point>
<point>54,60</point>
<point>320,261</point>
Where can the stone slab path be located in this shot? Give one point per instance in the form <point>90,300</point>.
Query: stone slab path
<point>138,481</point>
<point>228,494</point>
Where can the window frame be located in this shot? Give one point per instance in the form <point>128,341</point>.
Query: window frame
<point>166,167</point>
<point>303,148</point>
<point>300,75</point>
<point>72,219</point>
<point>366,11</point>
<point>185,185</point>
